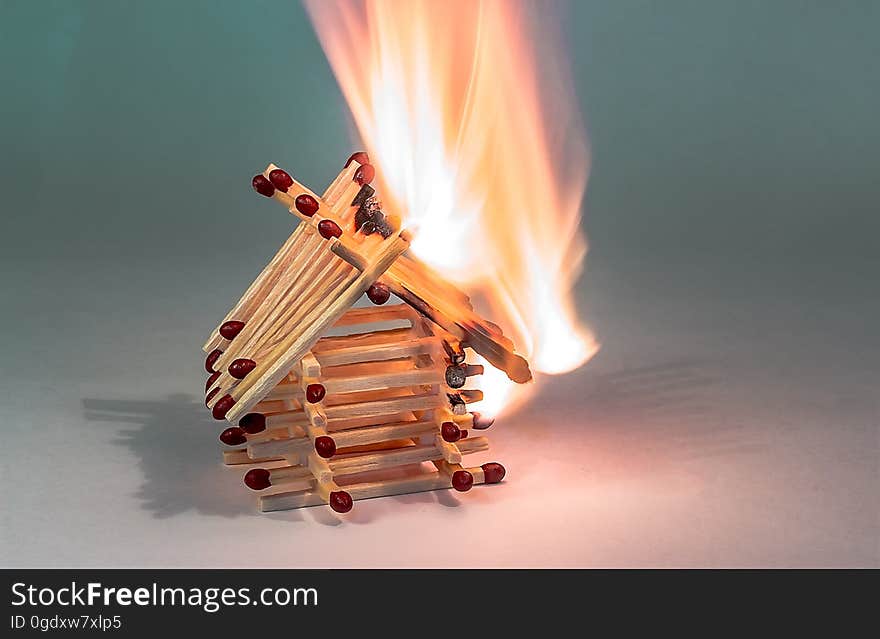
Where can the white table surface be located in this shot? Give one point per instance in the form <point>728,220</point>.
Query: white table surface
<point>721,424</point>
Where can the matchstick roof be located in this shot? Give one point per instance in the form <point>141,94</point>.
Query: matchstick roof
<point>338,252</point>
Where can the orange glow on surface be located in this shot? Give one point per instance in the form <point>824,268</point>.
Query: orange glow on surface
<point>467,111</point>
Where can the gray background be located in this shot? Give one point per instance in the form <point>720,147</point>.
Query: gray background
<point>730,419</point>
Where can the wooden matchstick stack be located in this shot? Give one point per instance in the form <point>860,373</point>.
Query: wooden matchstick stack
<point>329,402</point>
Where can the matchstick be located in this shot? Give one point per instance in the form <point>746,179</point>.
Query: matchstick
<point>366,353</point>
<point>427,481</point>
<point>416,273</point>
<point>284,391</point>
<point>332,196</point>
<point>240,457</point>
<point>461,322</point>
<point>281,296</point>
<point>287,419</point>
<point>353,464</point>
<point>345,438</point>
<point>353,243</point>
<point>328,275</point>
<point>277,301</point>
<point>375,314</point>
<point>371,338</point>
<point>450,451</point>
<point>291,348</point>
<point>381,381</point>
<point>299,300</point>
<point>385,407</point>
<point>257,291</point>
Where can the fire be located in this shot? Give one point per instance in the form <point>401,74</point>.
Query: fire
<point>468,113</point>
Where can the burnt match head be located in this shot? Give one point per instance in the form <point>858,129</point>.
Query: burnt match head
<point>315,393</point>
<point>263,186</point>
<point>253,423</point>
<point>280,179</point>
<point>456,375</point>
<point>450,432</point>
<point>230,329</point>
<point>369,217</point>
<point>325,446</point>
<point>241,367</point>
<point>212,394</point>
<point>482,423</point>
<point>340,501</point>
<point>379,293</point>
<point>455,352</point>
<point>233,436</point>
<point>211,380</point>
<point>455,400</point>
<point>364,174</point>
<point>328,229</point>
<point>360,157</point>
<point>257,479</point>
<point>493,472</point>
<point>223,405</point>
<point>366,193</point>
<point>211,359</point>
<point>306,204</point>
<point>462,481</point>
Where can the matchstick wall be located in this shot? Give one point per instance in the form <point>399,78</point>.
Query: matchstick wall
<point>330,403</point>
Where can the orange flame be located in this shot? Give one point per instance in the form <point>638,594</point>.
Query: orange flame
<point>470,115</point>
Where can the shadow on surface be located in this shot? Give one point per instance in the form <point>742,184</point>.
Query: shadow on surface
<point>175,441</point>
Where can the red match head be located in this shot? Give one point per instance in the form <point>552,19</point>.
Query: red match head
<point>280,179</point>
<point>263,186</point>
<point>211,359</point>
<point>325,446</point>
<point>493,472</point>
<point>378,293</point>
<point>450,432</point>
<point>315,393</point>
<point>211,395</point>
<point>222,406</point>
<point>233,436</point>
<point>360,157</point>
<point>328,229</point>
<point>306,204</point>
<point>241,367</point>
<point>364,174</point>
<point>257,479</point>
<point>462,481</point>
<point>340,501</point>
<point>211,380</point>
<point>231,328</point>
<point>253,423</point>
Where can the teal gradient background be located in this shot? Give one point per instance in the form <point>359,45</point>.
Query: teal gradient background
<point>732,212</point>
<point>748,127</point>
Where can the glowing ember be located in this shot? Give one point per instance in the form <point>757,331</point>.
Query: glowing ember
<point>479,147</point>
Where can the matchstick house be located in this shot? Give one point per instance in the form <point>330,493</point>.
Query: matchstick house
<point>330,402</point>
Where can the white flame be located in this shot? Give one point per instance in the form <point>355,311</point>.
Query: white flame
<point>467,111</point>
